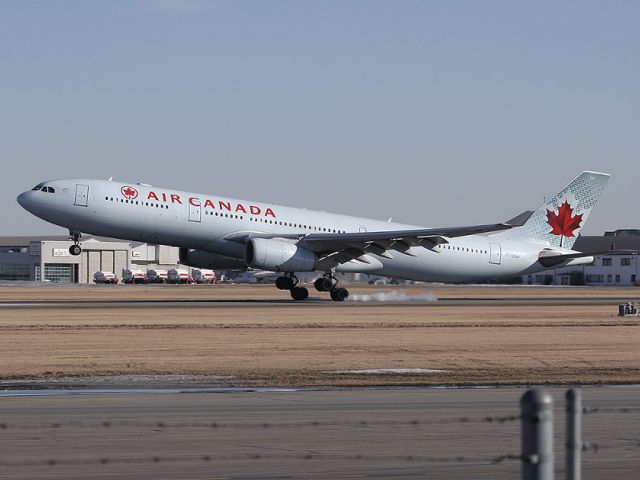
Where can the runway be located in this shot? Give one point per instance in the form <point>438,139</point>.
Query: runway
<point>321,302</point>
<point>358,433</point>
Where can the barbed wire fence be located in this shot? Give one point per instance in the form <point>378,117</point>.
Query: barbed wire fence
<point>536,456</point>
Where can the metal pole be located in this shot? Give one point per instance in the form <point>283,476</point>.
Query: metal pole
<point>573,446</point>
<point>536,408</point>
<point>42,264</point>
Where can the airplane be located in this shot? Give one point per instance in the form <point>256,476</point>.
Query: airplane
<point>224,233</point>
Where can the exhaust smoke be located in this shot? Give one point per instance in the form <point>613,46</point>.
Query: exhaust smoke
<point>392,296</point>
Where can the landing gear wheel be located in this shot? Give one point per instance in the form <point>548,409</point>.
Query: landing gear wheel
<point>325,283</point>
<point>339,294</point>
<point>299,293</point>
<point>75,249</point>
<point>284,283</point>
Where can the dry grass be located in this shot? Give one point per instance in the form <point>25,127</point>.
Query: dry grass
<point>302,344</point>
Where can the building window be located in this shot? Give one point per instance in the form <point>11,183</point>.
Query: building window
<point>625,262</point>
<point>633,278</point>
<point>56,273</point>
<point>15,272</point>
<point>617,278</point>
<point>594,278</point>
<point>606,262</point>
<point>609,278</point>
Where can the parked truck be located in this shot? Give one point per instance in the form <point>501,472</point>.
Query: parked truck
<point>105,278</point>
<point>203,276</point>
<point>157,276</point>
<point>134,276</point>
<point>179,276</point>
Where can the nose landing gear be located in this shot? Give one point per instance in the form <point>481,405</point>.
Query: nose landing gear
<point>290,282</point>
<point>75,249</point>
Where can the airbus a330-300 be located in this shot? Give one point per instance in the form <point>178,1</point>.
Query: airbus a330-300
<point>225,233</point>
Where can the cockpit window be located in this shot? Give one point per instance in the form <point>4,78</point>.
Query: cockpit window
<point>37,187</point>
<point>44,189</point>
<point>51,190</point>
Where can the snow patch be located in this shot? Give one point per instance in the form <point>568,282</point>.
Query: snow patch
<point>387,371</point>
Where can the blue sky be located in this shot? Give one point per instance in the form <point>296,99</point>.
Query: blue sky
<point>435,113</point>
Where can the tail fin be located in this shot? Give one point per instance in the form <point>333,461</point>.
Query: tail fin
<point>558,222</point>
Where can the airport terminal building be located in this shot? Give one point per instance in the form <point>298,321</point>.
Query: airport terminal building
<point>606,270</point>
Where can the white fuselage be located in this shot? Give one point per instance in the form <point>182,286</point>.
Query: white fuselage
<point>210,223</point>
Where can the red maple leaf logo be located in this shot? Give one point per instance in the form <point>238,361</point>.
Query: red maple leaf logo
<point>563,223</point>
<point>129,192</point>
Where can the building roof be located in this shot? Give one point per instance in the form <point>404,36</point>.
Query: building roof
<point>24,240</point>
<point>597,243</point>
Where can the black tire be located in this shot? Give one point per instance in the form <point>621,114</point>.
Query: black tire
<point>339,294</point>
<point>75,250</point>
<point>299,293</point>
<point>327,284</point>
<point>319,284</point>
<point>284,283</point>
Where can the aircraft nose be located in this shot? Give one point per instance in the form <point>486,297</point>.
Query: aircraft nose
<point>25,200</point>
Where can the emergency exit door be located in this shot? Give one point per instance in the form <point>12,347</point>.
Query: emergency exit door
<point>495,253</point>
<point>82,195</point>
<point>195,213</point>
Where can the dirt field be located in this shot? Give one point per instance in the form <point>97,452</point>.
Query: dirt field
<point>306,344</point>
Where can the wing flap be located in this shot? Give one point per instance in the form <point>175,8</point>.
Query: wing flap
<point>400,240</point>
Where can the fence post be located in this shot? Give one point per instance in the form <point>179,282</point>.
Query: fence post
<point>536,408</point>
<point>573,445</point>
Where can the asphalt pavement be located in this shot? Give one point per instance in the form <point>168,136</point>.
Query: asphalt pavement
<point>355,433</point>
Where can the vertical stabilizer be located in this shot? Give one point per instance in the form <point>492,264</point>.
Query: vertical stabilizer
<point>558,221</point>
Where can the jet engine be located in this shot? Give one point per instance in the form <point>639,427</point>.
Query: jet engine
<point>279,256</point>
<point>212,261</point>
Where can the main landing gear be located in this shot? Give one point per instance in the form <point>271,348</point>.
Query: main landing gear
<point>75,249</point>
<point>290,282</point>
<point>328,283</point>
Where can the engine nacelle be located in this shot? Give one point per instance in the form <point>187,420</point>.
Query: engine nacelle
<point>211,261</point>
<point>279,256</point>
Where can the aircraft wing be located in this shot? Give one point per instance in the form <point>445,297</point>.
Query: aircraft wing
<point>336,248</point>
<point>399,240</point>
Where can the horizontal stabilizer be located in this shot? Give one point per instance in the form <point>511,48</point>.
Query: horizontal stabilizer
<point>549,258</point>
<point>521,219</point>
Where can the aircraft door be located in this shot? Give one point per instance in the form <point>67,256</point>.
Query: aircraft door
<point>495,253</point>
<point>82,195</point>
<point>195,212</point>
